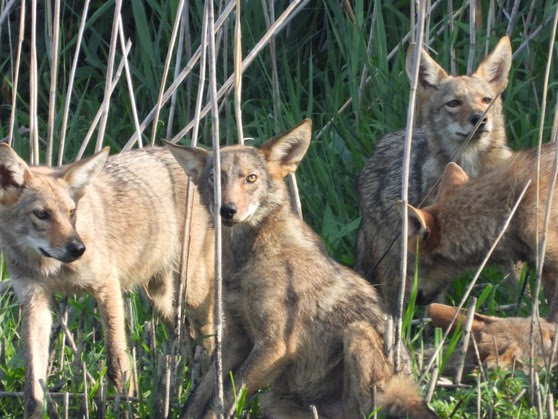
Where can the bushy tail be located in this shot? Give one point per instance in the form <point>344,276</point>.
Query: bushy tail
<point>400,398</point>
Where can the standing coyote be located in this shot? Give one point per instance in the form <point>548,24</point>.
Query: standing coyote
<point>99,227</point>
<point>295,319</point>
<point>450,109</point>
<point>501,342</point>
<point>457,230</point>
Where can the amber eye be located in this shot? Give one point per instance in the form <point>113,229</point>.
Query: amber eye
<point>453,103</point>
<point>251,178</point>
<point>41,214</point>
<point>486,100</point>
<point>72,213</point>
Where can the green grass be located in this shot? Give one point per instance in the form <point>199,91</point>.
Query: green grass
<point>320,58</point>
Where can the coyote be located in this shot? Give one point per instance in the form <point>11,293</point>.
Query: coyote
<point>99,226</point>
<point>295,319</point>
<point>457,230</point>
<point>450,108</point>
<point>501,342</point>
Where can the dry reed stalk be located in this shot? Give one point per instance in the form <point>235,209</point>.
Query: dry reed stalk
<point>398,322</point>
<point>219,394</point>
<point>129,79</point>
<point>71,84</point>
<point>474,280</point>
<point>166,403</point>
<point>428,6</point>
<point>108,79</point>
<point>472,35</point>
<point>513,18</point>
<point>314,411</point>
<point>63,319</point>
<point>238,75</point>
<point>61,395</point>
<point>99,113</point>
<point>6,10</point>
<point>369,47</point>
<point>541,246</point>
<point>292,9</point>
<point>489,20</point>
<point>170,51</point>
<point>33,90</point>
<point>374,397</point>
<point>431,384</point>
<point>53,78</point>
<point>412,30</point>
<point>85,398</point>
<point>479,396</point>
<point>269,17</point>
<point>453,62</point>
<point>66,404</point>
<point>178,81</point>
<point>182,34</point>
<point>531,36</point>
<point>465,340</point>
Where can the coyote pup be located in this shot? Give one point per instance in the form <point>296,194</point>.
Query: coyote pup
<point>456,231</point>
<point>99,226</point>
<point>450,108</point>
<point>295,319</point>
<point>501,342</point>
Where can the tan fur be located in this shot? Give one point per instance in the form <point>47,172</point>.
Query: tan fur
<point>449,106</point>
<point>127,230</point>
<point>294,319</point>
<point>501,342</point>
<point>468,216</point>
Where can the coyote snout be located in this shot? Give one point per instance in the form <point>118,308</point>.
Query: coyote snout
<point>71,252</point>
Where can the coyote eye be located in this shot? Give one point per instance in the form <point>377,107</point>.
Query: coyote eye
<point>453,103</point>
<point>486,100</point>
<point>251,178</point>
<point>72,213</point>
<point>41,214</point>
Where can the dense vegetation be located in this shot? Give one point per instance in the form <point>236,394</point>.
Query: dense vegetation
<point>340,63</point>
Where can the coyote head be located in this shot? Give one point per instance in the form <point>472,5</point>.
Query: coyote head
<point>38,204</point>
<point>451,106</point>
<point>252,183</point>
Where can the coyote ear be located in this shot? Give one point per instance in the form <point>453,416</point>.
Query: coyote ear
<point>430,72</point>
<point>442,314</point>
<point>287,149</point>
<point>421,224</point>
<point>79,174</point>
<point>495,68</point>
<point>192,159</point>
<point>453,176</point>
<point>14,173</point>
<point>480,321</point>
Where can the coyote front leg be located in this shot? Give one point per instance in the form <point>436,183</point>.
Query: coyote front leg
<point>36,324</point>
<point>110,301</point>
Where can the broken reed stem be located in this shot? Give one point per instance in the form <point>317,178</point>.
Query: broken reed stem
<point>89,134</point>
<point>219,394</point>
<point>129,79</point>
<point>474,280</point>
<point>294,7</point>
<point>71,84</point>
<point>170,51</point>
<point>33,90</point>
<point>405,185</point>
<point>108,79</point>
<point>238,75</point>
<point>179,49</point>
<point>513,18</point>
<point>53,78</point>
<point>465,340</point>
<point>178,81</point>
<point>21,37</point>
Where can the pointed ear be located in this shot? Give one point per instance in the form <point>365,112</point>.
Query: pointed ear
<point>495,68</point>
<point>453,176</point>
<point>192,159</point>
<point>79,174</point>
<point>442,314</point>
<point>287,150</point>
<point>420,221</point>
<point>480,321</point>
<point>14,173</point>
<point>430,73</point>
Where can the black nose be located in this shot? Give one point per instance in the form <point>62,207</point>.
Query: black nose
<point>476,117</point>
<point>75,248</point>
<point>227,211</point>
